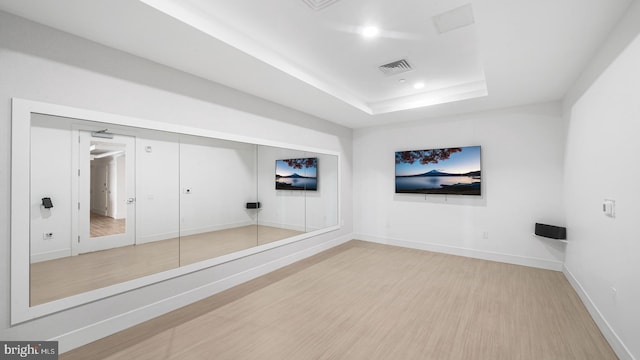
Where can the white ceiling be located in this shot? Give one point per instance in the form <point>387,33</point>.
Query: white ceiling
<point>514,52</point>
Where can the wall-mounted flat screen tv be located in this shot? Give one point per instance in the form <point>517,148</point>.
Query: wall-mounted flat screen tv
<point>297,174</point>
<point>450,171</point>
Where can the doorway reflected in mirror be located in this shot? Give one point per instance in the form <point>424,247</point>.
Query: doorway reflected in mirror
<point>107,188</point>
<point>105,225</point>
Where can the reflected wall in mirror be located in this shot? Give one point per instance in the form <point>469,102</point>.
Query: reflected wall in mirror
<point>288,212</point>
<point>132,202</point>
<point>217,178</point>
<point>92,238</point>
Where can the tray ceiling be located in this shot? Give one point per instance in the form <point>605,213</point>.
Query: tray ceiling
<point>311,55</point>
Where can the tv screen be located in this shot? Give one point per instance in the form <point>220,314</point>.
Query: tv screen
<point>450,171</point>
<point>297,174</point>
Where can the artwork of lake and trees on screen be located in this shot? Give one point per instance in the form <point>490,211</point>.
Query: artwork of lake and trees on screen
<point>297,174</point>
<point>452,171</point>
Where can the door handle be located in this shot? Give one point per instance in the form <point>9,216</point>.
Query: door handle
<point>131,200</point>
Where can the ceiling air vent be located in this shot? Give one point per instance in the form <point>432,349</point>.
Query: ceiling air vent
<point>319,4</point>
<point>396,67</point>
<point>454,19</point>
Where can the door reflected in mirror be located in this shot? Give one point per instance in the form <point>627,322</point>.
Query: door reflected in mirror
<point>107,171</point>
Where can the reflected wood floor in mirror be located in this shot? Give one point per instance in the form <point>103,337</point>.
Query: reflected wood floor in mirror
<point>60,278</point>
<point>194,248</point>
<point>104,225</point>
<point>370,301</point>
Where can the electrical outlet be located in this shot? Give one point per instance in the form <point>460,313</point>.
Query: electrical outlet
<point>47,236</point>
<point>485,235</point>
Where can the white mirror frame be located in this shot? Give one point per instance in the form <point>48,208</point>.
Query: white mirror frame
<point>20,206</point>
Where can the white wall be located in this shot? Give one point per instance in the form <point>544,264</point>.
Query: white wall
<point>603,253</point>
<point>321,205</point>
<point>522,160</point>
<point>221,177</point>
<point>121,188</point>
<point>98,174</point>
<point>50,177</point>
<point>157,187</point>
<point>43,64</point>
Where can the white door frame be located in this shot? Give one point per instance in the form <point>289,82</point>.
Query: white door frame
<point>80,219</point>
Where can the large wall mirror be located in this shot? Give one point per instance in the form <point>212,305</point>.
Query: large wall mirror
<point>110,203</point>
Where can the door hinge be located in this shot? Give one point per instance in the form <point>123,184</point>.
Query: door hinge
<point>78,206</point>
<point>78,239</point>
<point>78,172</point>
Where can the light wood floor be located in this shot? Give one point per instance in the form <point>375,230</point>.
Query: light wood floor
<point>369,301</point>
<point>101,225</point>
<point>60,278</point>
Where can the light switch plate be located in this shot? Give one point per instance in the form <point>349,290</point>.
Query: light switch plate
<point>609,208</point>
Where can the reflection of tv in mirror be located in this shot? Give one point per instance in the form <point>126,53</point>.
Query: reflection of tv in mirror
<point>450,171</point>
<point>297,174</point>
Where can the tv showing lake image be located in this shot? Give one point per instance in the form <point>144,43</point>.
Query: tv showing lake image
<point>297,174</point>
<point>451,171</point>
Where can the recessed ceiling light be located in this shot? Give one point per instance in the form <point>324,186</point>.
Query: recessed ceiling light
<point>370,31</point>
<point>418,85</point>
<point>402,81</point>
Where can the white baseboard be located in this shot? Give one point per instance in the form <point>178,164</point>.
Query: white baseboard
<point>616,343</point>
<point>284,226</point>
<point>210,228</point>
<point>472,253</point>
<point>144,239</point>
<point>93,332</point>
<point>186,232</point>
<point>50,255</point>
